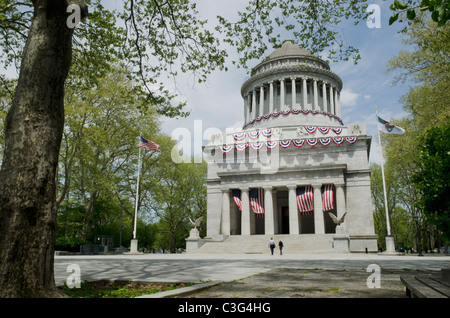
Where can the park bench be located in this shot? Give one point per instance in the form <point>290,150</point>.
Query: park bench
<point>427,285</point>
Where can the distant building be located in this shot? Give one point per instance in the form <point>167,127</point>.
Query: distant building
<point>293,162</point>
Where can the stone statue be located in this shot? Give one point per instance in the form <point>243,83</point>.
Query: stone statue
<point>335,219</point>
<point>196,223</point>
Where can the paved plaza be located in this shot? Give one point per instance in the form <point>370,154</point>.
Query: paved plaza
<point>202,268</point>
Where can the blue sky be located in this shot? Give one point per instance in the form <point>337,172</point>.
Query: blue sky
<point>218,104</point>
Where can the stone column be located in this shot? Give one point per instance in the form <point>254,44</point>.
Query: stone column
<point>316,95</point>
<point>226,212</point>
<point>305,93</point>
<point>269,215</point>
<point>293,93</point>
<point>293,211</point>
<point>254,112</point>
<point>245,202</point>
<point>337,104</point>
<point>332,110</point>
<point>340,204</point>
<point>261,100</point>
<point>324,94</point>
<point>282,94</point>
<point>319,226</point>
<point>247,111</point>
<point>271,97</point>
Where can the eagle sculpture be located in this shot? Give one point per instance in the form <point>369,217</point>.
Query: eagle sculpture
<point>336,220</point>
<point>196,223</point>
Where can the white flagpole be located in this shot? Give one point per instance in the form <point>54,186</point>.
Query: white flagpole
<point>137,195</point>
<point>390,246</point>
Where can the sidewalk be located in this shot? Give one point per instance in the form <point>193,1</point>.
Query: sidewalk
<point>258,275</point>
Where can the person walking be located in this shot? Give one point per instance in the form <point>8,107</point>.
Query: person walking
<point>272,245</point>
<point>280,246</point>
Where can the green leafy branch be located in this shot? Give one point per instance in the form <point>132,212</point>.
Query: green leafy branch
<point>440,10</point>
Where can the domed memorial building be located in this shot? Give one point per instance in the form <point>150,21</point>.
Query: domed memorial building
<point>295,172</point>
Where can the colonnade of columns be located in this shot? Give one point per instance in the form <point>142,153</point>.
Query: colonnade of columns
<point>291,93</point>
<point>271,206</point>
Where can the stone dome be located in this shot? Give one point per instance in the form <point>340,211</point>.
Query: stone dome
<point>289,49</point>
<point>291,79</point>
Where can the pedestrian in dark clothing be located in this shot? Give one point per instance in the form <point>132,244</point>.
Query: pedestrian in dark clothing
<point>272,245</point>
<point>280,246</point>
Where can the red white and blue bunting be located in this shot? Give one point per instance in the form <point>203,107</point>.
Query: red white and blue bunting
<point>271,144</point>
<point>295,112</point>
<point>269,132</point>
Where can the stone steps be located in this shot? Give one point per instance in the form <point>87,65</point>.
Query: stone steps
<point>258,244</point>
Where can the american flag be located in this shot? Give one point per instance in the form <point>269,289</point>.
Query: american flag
<point>147,144</point>
<point>257,201</point>
<point>237,198</point>
<point>327,197</point>
<point>305,200</point>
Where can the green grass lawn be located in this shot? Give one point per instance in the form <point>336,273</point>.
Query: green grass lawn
<point>118,289</point>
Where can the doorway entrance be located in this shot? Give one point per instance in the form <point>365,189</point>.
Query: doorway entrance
<point>284,220</point>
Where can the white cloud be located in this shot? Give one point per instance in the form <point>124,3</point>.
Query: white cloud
<point>349,98</point>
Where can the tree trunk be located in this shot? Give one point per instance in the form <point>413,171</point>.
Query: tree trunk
<point>33,131</point>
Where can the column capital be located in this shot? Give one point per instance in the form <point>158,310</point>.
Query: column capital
<point>267,187</point>
<point>291,186</point>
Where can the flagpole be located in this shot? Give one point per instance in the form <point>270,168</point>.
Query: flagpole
<point>133,247</point>
<point>390,245</point>
<point>137,195</point>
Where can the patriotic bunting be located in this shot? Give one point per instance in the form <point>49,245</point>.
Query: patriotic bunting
<point>325,141</point>
<point>327,197</point>
<point>298,143</point>
<point>295,112</point>
<point>311,142</point>
<point>337,131</point>
<point>241,147</point>
<point>226,149</point>
<point>338,140</point>
<point>237,198</point>
<point>257,145</point>
<point>285,143</point>
<point>267,132</point>
<point>305,200</point>
<point>257,201</point>
<point>324,130</point>
<point>271,144</point>
<point>311,129</point>
<point>253,134</point>
<point>239,136</point>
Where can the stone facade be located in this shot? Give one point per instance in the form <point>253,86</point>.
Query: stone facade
<point>293,139</point>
